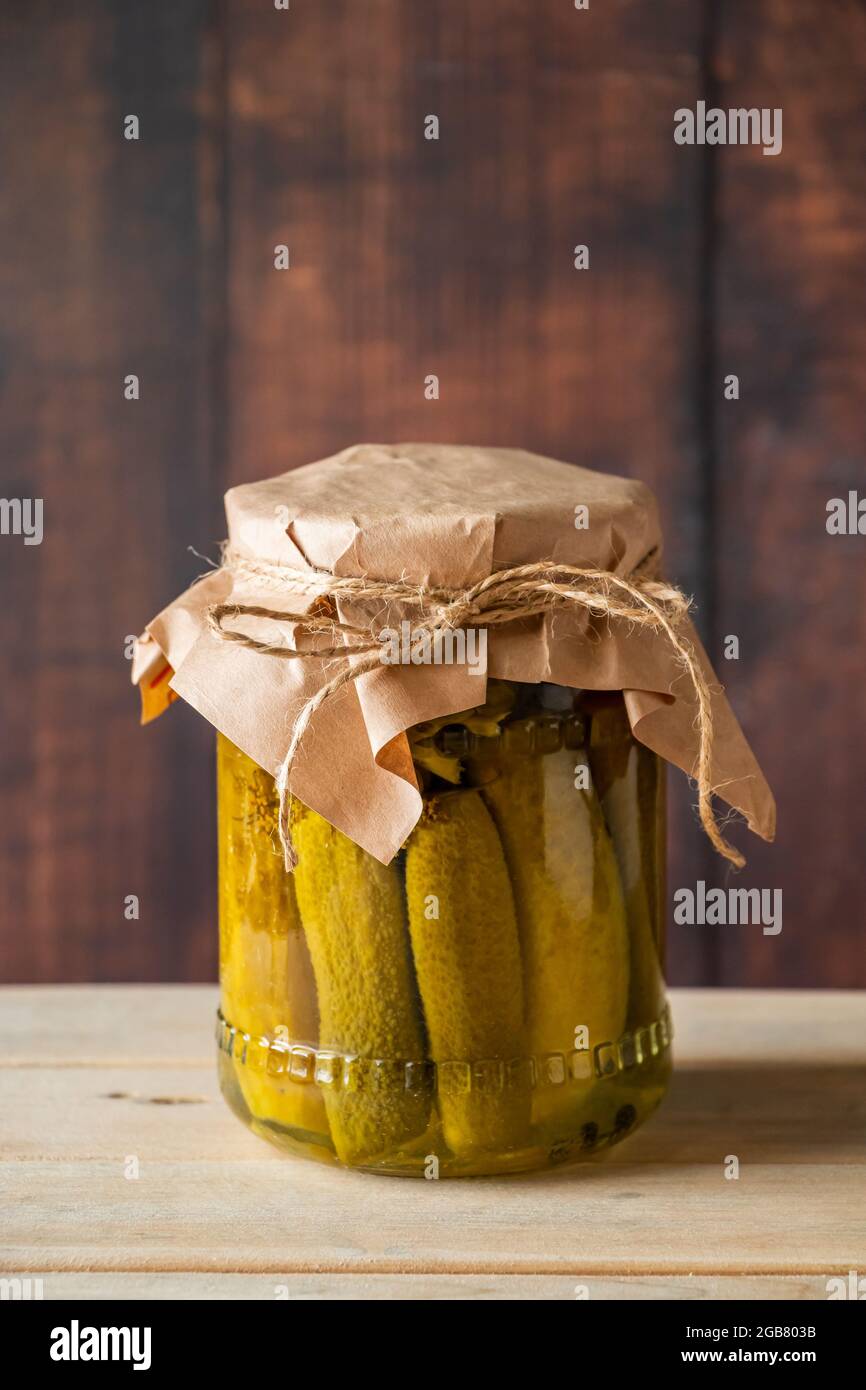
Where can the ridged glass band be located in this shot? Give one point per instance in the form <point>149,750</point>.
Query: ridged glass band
<point>280,1057</point>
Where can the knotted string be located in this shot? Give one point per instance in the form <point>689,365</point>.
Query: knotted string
<point>503,597</point>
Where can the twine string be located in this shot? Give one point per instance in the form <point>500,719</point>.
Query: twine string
<point>503,597</point>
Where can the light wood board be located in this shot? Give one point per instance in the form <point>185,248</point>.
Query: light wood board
<point>92,1077</point>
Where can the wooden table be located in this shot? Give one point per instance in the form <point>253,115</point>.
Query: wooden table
<point>99,1081</point>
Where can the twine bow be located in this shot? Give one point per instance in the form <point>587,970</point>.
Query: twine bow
<point>503,597</point>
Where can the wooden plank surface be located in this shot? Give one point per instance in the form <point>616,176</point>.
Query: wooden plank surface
<point>408,257</point>
<point>650,1219</point>
<point>456,256</point>
<point>421,1287</point>
<point>790,320</point>
<point>110,264</point>
<point>90,1078</point>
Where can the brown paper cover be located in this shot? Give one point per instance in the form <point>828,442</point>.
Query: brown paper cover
<point>435,515</point>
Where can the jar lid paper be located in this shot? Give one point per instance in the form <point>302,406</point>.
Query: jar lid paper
<point>435,516</point>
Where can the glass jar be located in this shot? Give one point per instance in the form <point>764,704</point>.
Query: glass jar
<point>491,1001</point>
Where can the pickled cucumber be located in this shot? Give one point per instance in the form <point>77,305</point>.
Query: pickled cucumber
<point>571,919</point>
<point>467,960</point>
<point>266,978</point>
<point>354,920</point>
<point>630,784</point>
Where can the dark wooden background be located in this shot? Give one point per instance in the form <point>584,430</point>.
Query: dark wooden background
<point>261,126</point>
